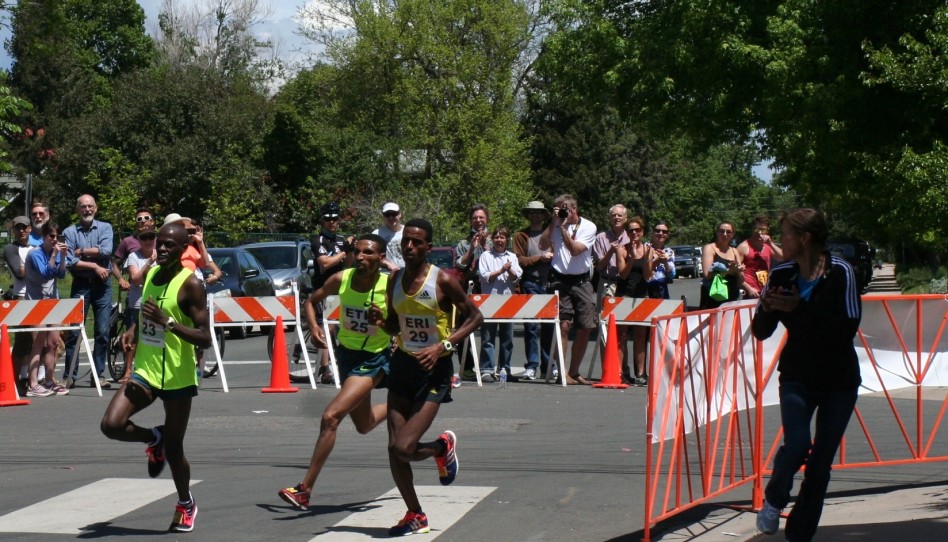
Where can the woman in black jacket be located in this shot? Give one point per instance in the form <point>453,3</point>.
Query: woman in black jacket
<point>815,296</point>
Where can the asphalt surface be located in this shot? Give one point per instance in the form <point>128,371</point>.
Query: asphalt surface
<point>538,462</point>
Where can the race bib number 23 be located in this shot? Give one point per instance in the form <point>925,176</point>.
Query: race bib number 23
<point>152,334</point>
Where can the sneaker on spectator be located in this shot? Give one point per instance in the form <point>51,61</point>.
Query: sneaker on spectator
<point>768,519</point>
<point>468,374</point>
<point>325,375</point>
<point>488,377</point>
<point>38,391</point>
<point>183,520</point>
<point>448,461</point>
<point>56,388</point>
<point>529,374</point>
<point>412,523</point>
<point>156,455</point>
<point>298,496</point>
<point>103,383</point>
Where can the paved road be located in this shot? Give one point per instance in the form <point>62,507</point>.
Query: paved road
<point>538,462</point>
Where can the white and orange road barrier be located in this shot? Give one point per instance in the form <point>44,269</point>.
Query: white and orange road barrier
<point>261,311</point>
<point>331,310</point>
<point>631,311</point>
<point>710,381</point>
<point>518,309</point>
<point>50,315</point>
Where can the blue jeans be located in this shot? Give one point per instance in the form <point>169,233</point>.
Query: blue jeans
<point>797,405</point>
<point>488,333</point>
<point>98,295</point>
<point>531,332</point>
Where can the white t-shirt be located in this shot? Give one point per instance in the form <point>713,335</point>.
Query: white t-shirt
<point>138,260</point>
<point>563,261</point>
<point>393,244</point>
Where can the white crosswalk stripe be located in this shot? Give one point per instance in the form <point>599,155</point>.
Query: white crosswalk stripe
<point>443,505</point>
<point>104,500</point>
<point>98,502</point>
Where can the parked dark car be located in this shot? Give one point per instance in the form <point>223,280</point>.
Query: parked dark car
<point>444,257</point>
<point>859,255</point>
<point>286,261</point>
<point>244,276</point>
<point>687,261</point>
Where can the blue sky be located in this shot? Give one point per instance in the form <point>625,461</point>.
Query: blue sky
<point>280,27</point>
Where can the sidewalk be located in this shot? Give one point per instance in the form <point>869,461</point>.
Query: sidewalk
<point>915,514</point>
<point>883,281</point>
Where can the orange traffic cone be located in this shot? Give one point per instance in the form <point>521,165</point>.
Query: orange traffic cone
<point>279,369</point>
<point>8,393</point>
<point>611,372</point>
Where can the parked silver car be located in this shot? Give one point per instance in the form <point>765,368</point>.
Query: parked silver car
<point>687,261</point>
<point>286,261</point>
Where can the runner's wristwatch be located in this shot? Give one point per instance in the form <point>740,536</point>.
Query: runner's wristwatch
<point>169,325</point>
<point>448,345</point>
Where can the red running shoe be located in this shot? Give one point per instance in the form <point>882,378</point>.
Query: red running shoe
<point>412,523</point>
<point>297,496</point>
<point>183,520</point>
<point>156,455</point>
<point>448,462</point>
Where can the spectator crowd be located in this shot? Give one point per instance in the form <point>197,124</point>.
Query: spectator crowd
<point>556,250</point>
<point>41,253</point>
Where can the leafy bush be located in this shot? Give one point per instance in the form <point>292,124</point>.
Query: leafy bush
<point>923,280</point>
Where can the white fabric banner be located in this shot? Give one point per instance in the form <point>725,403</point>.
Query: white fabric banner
<point>902,342</point>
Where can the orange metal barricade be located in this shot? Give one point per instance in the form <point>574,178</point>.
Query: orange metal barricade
<point>711,380</point>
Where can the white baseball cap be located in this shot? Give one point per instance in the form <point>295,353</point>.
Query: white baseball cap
<point>390,206</point>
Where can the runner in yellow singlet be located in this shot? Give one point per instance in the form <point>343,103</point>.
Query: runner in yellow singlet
<point>172,321</point>
<point>419,299</point>
<point>363,355</point>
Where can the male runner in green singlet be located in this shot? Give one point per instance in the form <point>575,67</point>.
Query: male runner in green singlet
<point>173,320</point>
<point>420,298</point>
<point>363,355</point>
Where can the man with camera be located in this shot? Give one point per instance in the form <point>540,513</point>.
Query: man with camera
<point>333,251</point>
<point>571,238</point>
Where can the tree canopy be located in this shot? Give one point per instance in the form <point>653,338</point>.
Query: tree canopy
<point>848,98</point>
<point>662,105</point>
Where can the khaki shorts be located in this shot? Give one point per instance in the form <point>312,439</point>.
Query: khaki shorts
<point>577,301</point>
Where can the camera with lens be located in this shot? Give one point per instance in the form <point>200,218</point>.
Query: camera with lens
<point>563,212</point>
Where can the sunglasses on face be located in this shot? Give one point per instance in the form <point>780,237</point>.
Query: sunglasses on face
<point>147,237</point>
<point>764,231</point>
<point>333,218</point>
<point>660,232</point>
<point>391,214</point>
<point>21,227</point>
<point>145,218</point>
<point>192,231</point>
<point>635,230</point>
